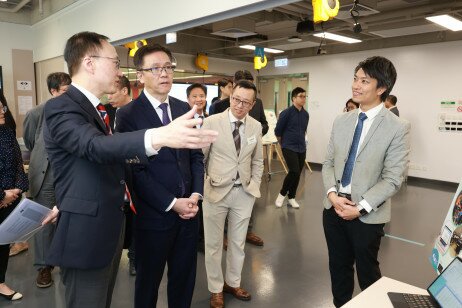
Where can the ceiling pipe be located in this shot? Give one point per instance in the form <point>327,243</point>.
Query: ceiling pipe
<point>19,6</point>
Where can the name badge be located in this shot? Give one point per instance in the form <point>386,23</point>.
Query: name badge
<point>251,140</point>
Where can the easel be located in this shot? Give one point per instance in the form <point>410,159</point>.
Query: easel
<point>268,149</point>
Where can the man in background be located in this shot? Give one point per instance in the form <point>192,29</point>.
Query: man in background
<point>290,131</point>
<point>390,104</point>
<point>41,186</point>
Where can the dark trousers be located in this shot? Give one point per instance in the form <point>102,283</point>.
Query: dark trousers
<point>129,240</point>
<point>350,242</point>
<point>5,249</point>
<point>176,247</point>
<point>200,217</point>
<point>92,288</point>
<point>295,162</point>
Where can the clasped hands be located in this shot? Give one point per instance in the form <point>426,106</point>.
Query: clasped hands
<point>344,208</point>
<point>10,196</point>
<point>187,207</point>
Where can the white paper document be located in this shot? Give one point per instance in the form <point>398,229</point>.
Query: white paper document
<point>25,220</point>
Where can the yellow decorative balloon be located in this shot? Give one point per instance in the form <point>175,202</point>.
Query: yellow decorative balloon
<point>259,62</point>
<point>202,61</point>
<point>324,10</point>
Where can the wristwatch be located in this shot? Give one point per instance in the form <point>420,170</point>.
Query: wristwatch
<point>363,212</point>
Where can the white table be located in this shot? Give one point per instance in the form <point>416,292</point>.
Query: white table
<point>376,295</point>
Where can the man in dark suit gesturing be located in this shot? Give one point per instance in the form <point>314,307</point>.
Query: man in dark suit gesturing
<point>167,188</point>
<point>88,167</point>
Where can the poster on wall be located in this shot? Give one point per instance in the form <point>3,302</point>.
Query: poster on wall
<point>450,116</point>
<point>448,244</point>
<point>270,137</point>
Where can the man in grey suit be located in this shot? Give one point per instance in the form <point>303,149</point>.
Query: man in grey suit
<point>234,166</point>
<point>390,103</point>
<point>365,162</point>
<point>41,188</point>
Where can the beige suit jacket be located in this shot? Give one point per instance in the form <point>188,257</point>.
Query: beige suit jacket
<point>222,162</point>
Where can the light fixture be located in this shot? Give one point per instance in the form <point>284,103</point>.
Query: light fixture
<point>446,21</point>
<point>270,50</point>
<point>170,38</point>
<point>337,37</point>
<point>294,39</point>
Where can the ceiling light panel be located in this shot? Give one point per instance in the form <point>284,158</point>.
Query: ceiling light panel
<point>336,37</point>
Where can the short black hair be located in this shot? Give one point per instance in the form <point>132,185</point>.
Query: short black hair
<point>78,46</point>
<point>138,59</point>
<point>246,84</point>
<point>196,85</point>
<point>382,70</point>
<point>124,83</point>
<point>297,91</point>
<point>224,82</point>
<point>58,79</point>
<point>392,99</point>
<point>243,75</point>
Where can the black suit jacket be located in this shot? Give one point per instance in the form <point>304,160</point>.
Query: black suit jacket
<point>88,167</point>
<point>170,174</point>
<point>257,112</point>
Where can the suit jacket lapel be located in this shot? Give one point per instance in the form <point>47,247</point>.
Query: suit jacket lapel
<point>377,121</point>
<point>87,106</point>
<point>149,112</point>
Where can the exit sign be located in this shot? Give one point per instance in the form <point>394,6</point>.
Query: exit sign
<point>281,62</point>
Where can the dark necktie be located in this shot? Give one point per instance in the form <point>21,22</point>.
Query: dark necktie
<point>237,140</point>
<point>350,163</point>
<point>103,114</point>
<point>165,118</point>
<point>202,118</point>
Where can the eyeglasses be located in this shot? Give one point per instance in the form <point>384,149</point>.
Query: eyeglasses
<point>302,96</point>
<point>116,61</point>
<point>169,69</point>
<point>238,101</point>
<point>4,108</point>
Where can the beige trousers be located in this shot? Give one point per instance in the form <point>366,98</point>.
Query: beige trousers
<point>237,205</point>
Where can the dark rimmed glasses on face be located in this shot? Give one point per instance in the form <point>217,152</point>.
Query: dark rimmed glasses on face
<point>238,101</point>
<point>157,70</point>
<point>116,61</point>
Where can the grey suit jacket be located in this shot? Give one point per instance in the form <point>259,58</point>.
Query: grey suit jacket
<point>33,139</point>
<point>222,161</point>
<point>380,162</point>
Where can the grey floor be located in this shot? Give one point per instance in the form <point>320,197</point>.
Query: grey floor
<point>291,269</point>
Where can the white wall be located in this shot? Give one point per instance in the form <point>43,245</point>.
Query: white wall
<point>427,75</point>
<point>12,36</point>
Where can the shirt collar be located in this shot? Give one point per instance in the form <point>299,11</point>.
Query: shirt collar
<point>91,97</point>
<point>233,119</point>
<point>154,101</point>
<point>373,112</point>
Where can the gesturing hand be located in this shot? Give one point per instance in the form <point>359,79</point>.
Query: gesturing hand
<point>182,133</point>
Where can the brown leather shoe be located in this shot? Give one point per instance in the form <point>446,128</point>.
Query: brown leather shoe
<point>238,292</point>
<point>225,242</point>
<point>17,248</point>
<point>253,239</point>
<point>217,300</point>
<point>44,279</point>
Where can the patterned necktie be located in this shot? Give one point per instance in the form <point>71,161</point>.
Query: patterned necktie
<point>165,118</point>
<point>103,114</point>
<point>237,140</point>
<point>350,163</point>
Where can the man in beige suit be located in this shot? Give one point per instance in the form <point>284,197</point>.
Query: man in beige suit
<point>234,166</point>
